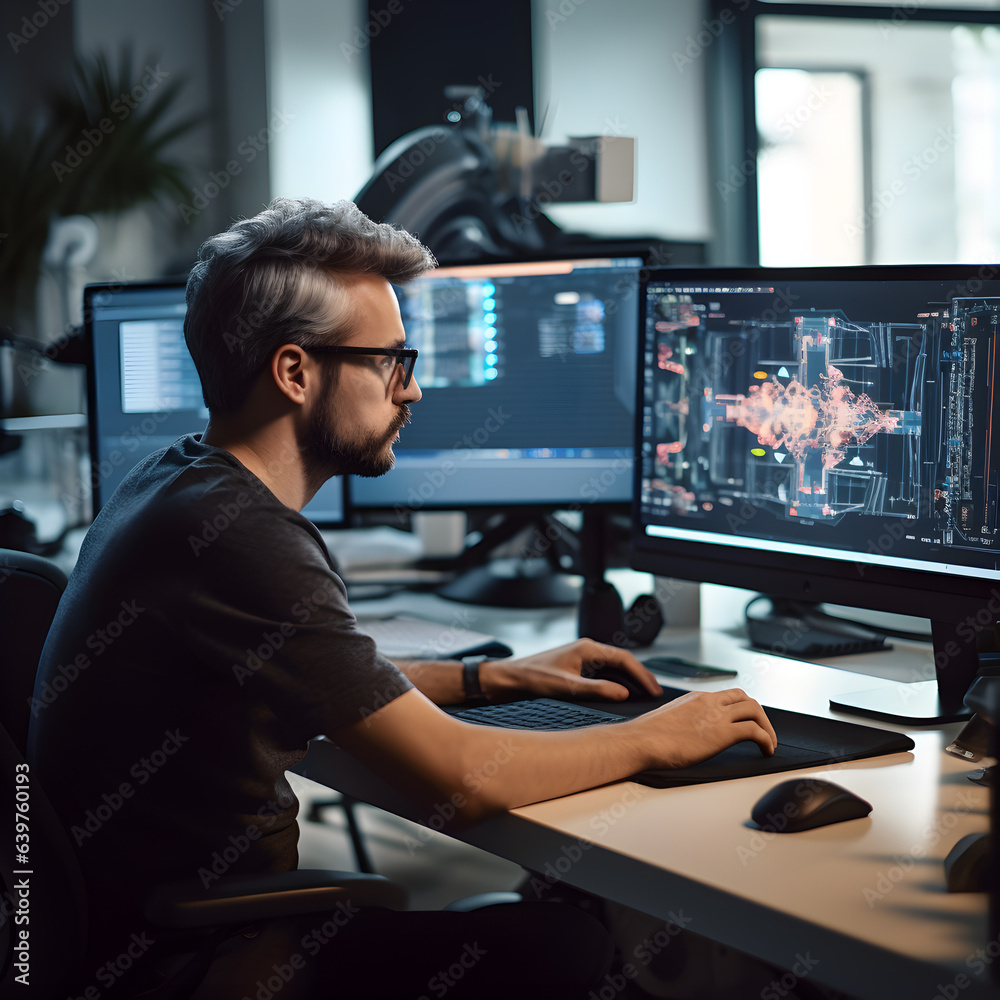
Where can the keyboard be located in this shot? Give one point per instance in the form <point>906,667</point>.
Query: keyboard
<point>538,713</point>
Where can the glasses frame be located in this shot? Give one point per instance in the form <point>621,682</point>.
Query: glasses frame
<point>405,356</point>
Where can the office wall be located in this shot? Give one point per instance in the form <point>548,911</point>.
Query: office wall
<point>436,44</point>
<point>600,66</point>
<point>317,70</point>
<point>217,50</point>
<point>293,77</point>
<point>174,40</point>
<point>296,72</point>
<point>909,69</point>
<point>33,56</point>
<point>213,54</point>
<point>625,67</point>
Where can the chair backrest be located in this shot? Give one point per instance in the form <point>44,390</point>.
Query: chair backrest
<point>30,588</point>
<point>40,868</point>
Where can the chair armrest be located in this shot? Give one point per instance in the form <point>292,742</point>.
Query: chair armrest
<point>238,899</point>
<point>469,903</point>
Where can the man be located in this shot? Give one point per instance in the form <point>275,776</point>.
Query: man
<point>218,639</point>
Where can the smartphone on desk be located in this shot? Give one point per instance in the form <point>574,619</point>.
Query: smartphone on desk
<point>677,666</point>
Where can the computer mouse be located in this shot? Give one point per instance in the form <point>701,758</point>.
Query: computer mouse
<point>965,866</point>
<point>636,692</point>
<point>806,803</point>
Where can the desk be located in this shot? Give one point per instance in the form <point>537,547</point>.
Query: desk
<point>864,901</point>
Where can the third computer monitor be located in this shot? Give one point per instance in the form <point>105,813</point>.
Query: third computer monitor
<point>826,435</point>
<point>527,371</point>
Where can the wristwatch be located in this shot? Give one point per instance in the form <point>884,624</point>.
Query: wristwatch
<point>470,679</point>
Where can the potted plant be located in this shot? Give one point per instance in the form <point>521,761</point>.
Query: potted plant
<point>100,146</point>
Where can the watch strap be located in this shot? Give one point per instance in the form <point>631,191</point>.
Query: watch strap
<point>470,678</point>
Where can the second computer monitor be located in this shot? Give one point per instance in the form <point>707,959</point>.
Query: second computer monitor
<point>527,374</point>
<point>144,390</point>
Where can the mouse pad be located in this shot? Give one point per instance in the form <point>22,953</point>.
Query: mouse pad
<point>803,741</point>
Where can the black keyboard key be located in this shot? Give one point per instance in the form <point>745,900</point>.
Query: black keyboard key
<point>539,713</point>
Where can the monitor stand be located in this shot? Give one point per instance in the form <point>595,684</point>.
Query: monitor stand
<point>601,615</point>
<point>512,583</point>
<point>800,629</point>
<point>925,703</point>
<point>520,582</point>
<point>543,582</point>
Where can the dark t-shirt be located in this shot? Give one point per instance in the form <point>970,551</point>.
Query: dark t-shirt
<point>203,640</point>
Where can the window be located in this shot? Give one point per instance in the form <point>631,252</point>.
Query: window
<point>810,166</point>
<point>932,160</point>
<point>873,131</point>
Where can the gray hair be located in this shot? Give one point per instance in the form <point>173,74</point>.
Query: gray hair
<point>281,277</point>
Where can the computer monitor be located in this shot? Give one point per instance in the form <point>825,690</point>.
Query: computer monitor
<point>143,390</point>
<point>527,372</point>
<point>827,435</point>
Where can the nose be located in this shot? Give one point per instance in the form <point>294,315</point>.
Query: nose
<point>411,394</point>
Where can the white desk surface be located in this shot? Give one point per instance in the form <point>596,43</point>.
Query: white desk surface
<point>865,900</point>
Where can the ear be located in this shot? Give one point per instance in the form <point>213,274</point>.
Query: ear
<point>292,371</point>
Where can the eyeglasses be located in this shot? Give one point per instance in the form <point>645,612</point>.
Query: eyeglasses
<point>393,358</point>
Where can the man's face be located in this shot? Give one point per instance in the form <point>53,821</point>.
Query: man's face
<point>355,423</point>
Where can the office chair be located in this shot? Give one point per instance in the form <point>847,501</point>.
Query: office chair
<point>55,890</point>
<point>30,588</point>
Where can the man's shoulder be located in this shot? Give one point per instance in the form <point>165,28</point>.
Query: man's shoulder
<point>189,475</point>
<point>194,495</point>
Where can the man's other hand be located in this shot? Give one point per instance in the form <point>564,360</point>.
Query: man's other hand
<point>565,672</point>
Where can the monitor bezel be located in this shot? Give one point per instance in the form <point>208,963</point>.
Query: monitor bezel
<point>96,482</point>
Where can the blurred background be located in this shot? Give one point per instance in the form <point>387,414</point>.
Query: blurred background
<point>735,132</point>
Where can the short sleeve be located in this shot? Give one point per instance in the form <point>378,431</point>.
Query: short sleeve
<point>269,616</point>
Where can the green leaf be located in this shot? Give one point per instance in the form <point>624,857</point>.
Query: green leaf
<point>66,163</point>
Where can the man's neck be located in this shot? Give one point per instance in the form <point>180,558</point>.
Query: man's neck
<point>272,455</point>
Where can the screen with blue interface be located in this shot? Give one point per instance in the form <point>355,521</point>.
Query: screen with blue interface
<point>826,428</point>
<point>143,388</point>
<point>527,371</point>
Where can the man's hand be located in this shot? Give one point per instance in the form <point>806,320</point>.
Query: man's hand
<point>700,724</point>
<point>432,758</point>
<point>565,672</point>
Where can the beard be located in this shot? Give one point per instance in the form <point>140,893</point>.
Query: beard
<point>368,455</point>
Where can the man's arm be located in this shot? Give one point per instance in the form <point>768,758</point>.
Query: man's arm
<point>434,758</point>
<point>556,673</point>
